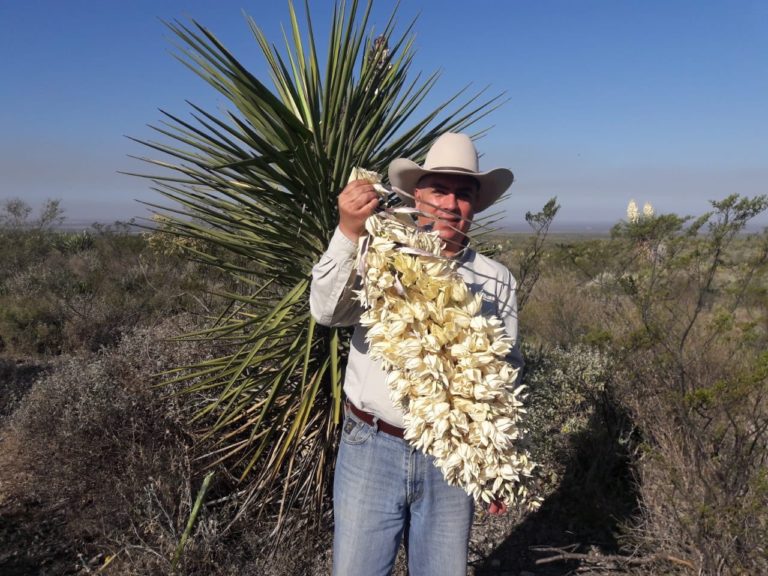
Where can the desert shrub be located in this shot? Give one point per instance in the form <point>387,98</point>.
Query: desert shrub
<point>692,372</point>
<point>563,311</point>
<point>25,240</point>
<point>92,419</point>
<point>701,464</point>
<point>578,436</point>
<point>587,258</point>
<point>677,307</point>
<point>64,292</point>
<point>567,393</point>
<point>100,469</point>
<point>576,283</point>
<point>99,444</point>
<point>525,255</point>
<point>75,242</point>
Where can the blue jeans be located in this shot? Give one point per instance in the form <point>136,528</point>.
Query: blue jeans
<point>384,487</point>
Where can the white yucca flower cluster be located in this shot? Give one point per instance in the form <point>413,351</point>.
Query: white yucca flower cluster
<point>633,214</point>
<point>647,210</point>
<point>445,361</point>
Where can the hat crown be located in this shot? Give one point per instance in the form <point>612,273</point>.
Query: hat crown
<point>452,151</point>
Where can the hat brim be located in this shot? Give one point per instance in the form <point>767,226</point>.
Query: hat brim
<point>405,174</point>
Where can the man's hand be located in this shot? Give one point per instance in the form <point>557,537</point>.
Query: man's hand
<point>357,201</point>
<point>497,508</point>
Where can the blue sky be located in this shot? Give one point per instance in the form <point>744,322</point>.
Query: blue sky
<point>660,101</point>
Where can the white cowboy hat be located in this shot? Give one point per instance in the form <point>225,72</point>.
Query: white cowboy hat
<point>451,153</point>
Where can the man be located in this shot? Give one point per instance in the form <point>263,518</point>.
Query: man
<point>384,488</point>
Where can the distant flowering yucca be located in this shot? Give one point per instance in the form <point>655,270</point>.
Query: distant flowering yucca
<point>445,361</point>
<point>633,214</point>
<point>647,210</point>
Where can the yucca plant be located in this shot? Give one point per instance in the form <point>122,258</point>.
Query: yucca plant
<point>257,188</point>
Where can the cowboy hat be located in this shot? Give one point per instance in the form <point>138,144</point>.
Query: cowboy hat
<point>451,153</point>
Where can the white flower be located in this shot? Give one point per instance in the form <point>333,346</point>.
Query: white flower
<point>363,174</point>
<point>632,213</point>
<point>647,210</point>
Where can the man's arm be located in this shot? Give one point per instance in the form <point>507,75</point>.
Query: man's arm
<point>509,315</point>
<point>331,300</point>
<point>334,277</point>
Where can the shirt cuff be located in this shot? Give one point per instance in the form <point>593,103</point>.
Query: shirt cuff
<point>340,246</point>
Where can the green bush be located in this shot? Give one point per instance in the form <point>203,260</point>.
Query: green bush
<point>578,436</point>
<point>567,391</point>
<point>62,292</point>
<point>675,306</point>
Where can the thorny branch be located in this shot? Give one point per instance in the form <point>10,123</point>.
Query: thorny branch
<point>611,561</point>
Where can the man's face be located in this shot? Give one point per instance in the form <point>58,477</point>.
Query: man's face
<point>448,203</point>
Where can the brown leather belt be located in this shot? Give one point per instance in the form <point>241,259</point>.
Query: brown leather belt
<point>369,418</point>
